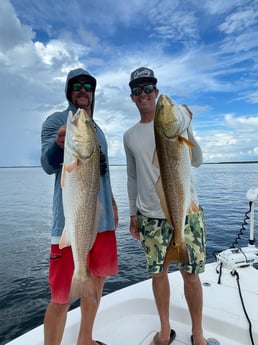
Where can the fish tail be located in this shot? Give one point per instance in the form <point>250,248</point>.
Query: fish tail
<point>176,253</point>
<point>83,289</point>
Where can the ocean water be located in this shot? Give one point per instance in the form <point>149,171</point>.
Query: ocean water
<point>25,222</point>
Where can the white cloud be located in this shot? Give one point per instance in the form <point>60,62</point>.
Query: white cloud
<point>250,122</point>
<point>12,32</point>
<point>195,64</point>
<point>219,6</point>
<point>171,21</point>
<point>239,21</point>
<point>253,97</point>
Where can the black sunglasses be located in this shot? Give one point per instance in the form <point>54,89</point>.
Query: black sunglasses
<point>137,90</point>
<point>77,87</point>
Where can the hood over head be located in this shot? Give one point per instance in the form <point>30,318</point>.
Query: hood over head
<point>74,74</point>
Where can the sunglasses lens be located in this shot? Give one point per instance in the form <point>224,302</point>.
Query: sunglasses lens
<point>88,87</point>
<point>148,88</point>
<point>78,86</point>
<point>136,91</point>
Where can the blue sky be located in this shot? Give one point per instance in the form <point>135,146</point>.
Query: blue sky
<point>204,54</point>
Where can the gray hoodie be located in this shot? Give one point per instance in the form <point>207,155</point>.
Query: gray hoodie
<point>52,159</point>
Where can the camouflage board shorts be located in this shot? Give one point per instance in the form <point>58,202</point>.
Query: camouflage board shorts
<point>155,235</point>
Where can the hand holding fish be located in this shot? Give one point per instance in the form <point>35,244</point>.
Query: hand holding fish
<point>189,111</point>
<point>60,138</point>
<point>134,230</point>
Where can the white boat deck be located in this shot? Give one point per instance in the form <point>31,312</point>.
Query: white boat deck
<point>134,320</point>
<point>129,316</point>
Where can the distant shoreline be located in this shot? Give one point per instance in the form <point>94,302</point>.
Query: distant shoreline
<point>244,162</point>
<point>38,166</point>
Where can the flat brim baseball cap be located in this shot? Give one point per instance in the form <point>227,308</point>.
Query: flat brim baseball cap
<point>142,74</point>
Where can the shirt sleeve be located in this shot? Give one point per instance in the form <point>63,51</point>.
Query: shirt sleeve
<point>131,179</point>
<point>51,154</point>
<point>197,157</point>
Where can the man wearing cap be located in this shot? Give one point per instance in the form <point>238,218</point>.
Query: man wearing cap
<point>147,220</point>
<point>102,258</point>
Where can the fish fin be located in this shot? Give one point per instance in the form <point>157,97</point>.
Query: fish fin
<point>183,139</point>
<point>64,240</point>
<point>162,198</point>
<point>155,160</point>
<point>83,289</point>
<point>93,239</point>
<point>186,141</point>
<point>176,252</point>
<point>63,177</point>
<point>193,208</point>
<point>70,167</point>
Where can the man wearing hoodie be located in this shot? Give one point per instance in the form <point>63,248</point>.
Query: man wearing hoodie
<point>102,259</point>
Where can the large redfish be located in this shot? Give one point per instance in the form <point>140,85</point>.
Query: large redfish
<point>80,186</point>
<point>174,161</point>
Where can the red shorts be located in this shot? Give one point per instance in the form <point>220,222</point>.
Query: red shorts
<point>102,261</point>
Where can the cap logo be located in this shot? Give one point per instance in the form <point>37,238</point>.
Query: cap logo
<point>142,74</point>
